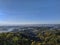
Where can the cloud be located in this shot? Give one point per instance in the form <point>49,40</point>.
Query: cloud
<point>22,23</point>
<point>15,23</point>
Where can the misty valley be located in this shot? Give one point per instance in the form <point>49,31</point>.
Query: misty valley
<point>30,35</point>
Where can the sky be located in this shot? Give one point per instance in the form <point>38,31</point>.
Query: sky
<point>29,11</point>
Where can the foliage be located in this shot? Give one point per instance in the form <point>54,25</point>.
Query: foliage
<point>48,37</point>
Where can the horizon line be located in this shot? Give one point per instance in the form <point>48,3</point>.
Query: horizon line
<point>31,24</point>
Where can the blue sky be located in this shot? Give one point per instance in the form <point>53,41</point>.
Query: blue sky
<point>29,11</point>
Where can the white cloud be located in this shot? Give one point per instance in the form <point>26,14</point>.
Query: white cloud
<point>19,23</point>
<point>15,23</point>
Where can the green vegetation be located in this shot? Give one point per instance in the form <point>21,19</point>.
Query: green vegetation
<point>49,38</point>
